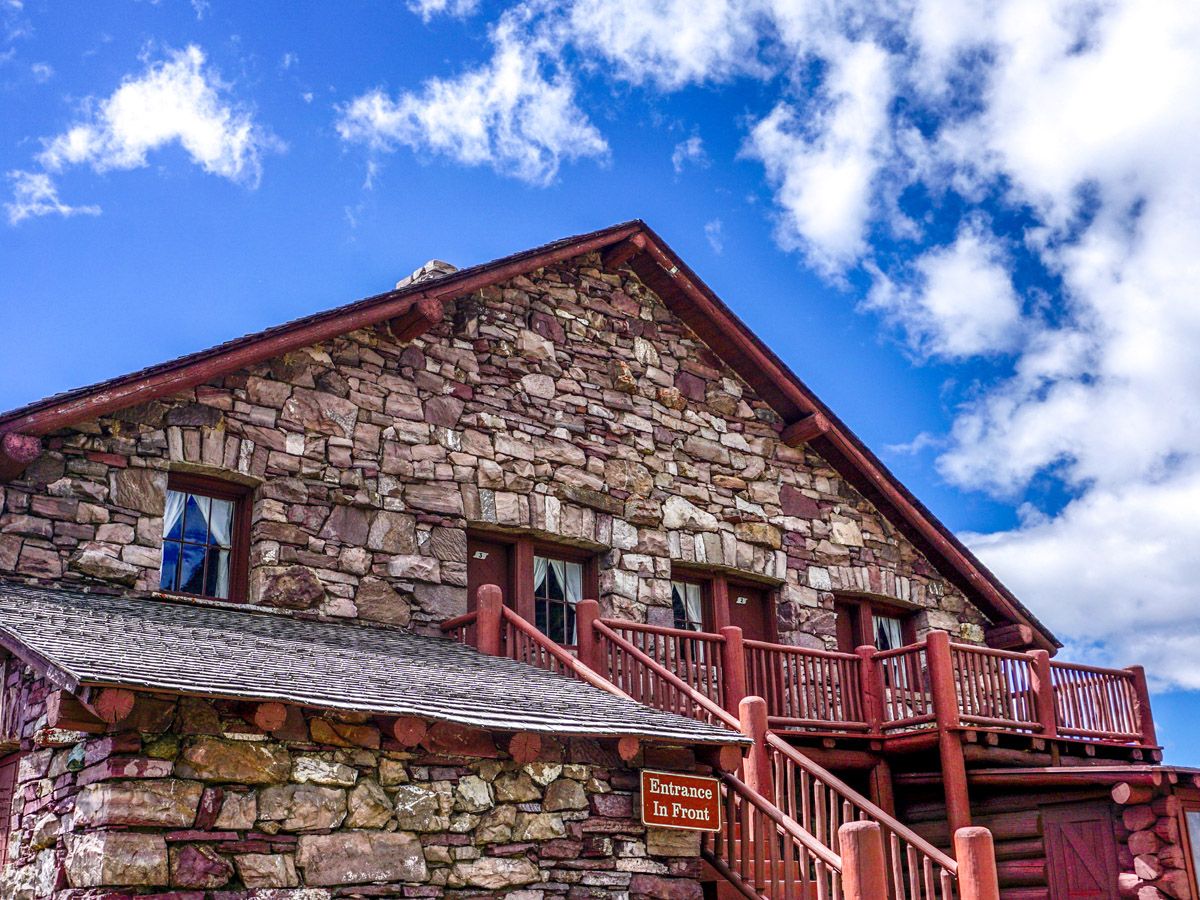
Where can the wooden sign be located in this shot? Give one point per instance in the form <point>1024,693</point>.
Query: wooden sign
<point>671,800</point>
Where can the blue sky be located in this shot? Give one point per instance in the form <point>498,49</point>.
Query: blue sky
<point>973,228</point>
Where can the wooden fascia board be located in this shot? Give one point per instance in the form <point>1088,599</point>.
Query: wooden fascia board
<point>107,397</point>
<point>729,337</point>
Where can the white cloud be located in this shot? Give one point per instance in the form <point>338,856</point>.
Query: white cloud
<point>458,9</point>
<point>959,301</point>
<point>517,113</point>
<point>824,161</point>
<point>691,152</point>
<point>34,194</point>
<point>670,43</point>
<point>716,240</point>
<point>178,100</point>
<point>42,72</point>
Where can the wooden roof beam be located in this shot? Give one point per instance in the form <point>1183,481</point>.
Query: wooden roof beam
<point>415,321</point>
<point>1009,637</point>
<point>805,429</point>
<point>619,254</point>
<point>17,451</point>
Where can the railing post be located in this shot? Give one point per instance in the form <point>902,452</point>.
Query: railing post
<point>733,668</point>
<point>1145,718</point>
<point>752,713</point>
<point>976,857</point>
<point>586,614</point>
<point>946,713</point>
<point>870,684</point>
<point>1042,685</point>
<point>864,870</point>
<point>489,601</point>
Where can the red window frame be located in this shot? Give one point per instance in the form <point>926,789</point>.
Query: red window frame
<point>8,796</point>
<point>239,547</point>
<point>522,549</point>
<point>855,621</point>
<point>706,598</point>
<point>718,587</point>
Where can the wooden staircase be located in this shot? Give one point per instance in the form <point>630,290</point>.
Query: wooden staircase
<point>785,818</point>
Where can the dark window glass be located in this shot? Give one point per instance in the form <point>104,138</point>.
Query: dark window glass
<point>687,605</point>
<point>198,534</point>
<point>557,587</point>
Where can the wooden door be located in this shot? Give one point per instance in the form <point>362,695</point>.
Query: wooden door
<point>488,562</point>
<point>1081,852</point>
<point>751,609</point>
<point>8,781</point>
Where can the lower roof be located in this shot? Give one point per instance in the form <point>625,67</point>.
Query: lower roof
<point>215,650</point>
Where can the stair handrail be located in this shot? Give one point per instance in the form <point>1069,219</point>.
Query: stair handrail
<point>861,803</point>
<point>724,717</point>
<point>736,867</point>
<point>564,658</point>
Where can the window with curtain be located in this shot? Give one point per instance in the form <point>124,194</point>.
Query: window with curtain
<point>889,632</point>
<point>198,531</point>
<point>557,587</point>
<point>687,605</point>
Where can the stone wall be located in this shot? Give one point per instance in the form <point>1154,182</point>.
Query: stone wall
<point>188,798</point>
<point>571,405</point>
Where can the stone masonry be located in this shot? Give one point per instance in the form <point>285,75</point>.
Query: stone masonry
<point>187,799</point>
<point>570,405</point>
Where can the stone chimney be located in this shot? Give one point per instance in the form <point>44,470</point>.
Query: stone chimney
<point>435,268</point>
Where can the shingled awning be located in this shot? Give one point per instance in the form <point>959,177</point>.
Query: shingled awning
<point>148,643</point>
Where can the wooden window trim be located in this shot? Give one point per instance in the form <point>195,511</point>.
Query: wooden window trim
<point>9,766</point>
<point>1186,805</point>
<point>862,611</point>
<point>717,587</point>
<point>239,548</point>
<point>522,549</point>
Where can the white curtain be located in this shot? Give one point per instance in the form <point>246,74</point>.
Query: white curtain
<point>174,512</point>
<point>889,634</point>
<point>220,528</point>
<point>691,600</point>
<point>541,566</point>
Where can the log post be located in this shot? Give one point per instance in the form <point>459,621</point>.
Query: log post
<point>1126,794</point>
<point>976,857</point>
<point>1145,718</point>
<point>864,871</point>
<point>871,686</point>
<point>733,668</point>
<point>1042,686</point>
<point>945,709</point>
<point>586,614</point>
<point>270,716</point>
<point>490,604</point>
<point>752,713</point>
<point>113,704</point>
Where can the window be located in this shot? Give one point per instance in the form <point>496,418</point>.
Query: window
<point>541,582</point>
<point>8,782</point>
<point>708,601</point>
<point>205,530</point>
<point>557,587</point>
<point>687,605</point>
<point>864,622</point>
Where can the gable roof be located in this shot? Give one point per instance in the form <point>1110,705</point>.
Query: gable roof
<point>415,307</point>
<point>233,652</point>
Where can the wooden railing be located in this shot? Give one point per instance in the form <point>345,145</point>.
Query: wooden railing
<point>762,849</point>
<point>996,688</point>
<point>1097,704</point>
<point>807,689</point>
<point>821,803</point>
<point>649,681</point>
<point>696,657</point>
<point>906,697</point>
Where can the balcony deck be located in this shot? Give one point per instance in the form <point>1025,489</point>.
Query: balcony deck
<point>891,699</point>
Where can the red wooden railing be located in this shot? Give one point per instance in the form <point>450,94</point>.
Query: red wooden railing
<point>696,657</point>
<point>785,826</point>
<point>807,689</point>
<point>763,850</point>
<point>995,688</point>
<point>822,803</point>
<point>1097,704</point>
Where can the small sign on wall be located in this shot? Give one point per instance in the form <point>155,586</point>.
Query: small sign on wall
<point>671,800</point>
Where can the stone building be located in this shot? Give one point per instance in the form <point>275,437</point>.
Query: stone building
<point>225,579</point>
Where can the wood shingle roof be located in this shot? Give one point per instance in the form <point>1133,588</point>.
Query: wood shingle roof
<point>214,650</point>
